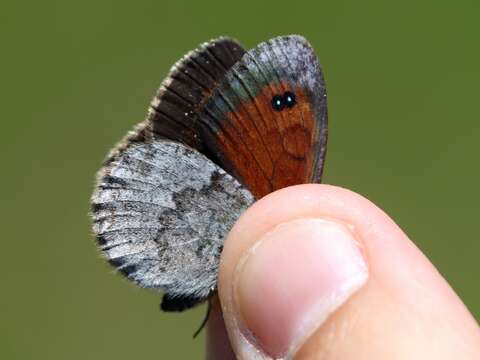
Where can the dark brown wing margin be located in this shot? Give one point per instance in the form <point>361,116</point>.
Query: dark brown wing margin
<point>174,110</point>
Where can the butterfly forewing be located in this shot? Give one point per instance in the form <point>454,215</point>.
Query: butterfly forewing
<point>269,147</point>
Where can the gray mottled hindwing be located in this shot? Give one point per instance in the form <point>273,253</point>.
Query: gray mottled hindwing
<point>161,212</point>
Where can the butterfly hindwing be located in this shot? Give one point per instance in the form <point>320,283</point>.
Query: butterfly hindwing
<point>161,212</point>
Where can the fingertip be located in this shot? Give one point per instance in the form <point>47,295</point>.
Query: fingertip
<point>287,284</point>
<point>355,246</point>
<point>285,269</point>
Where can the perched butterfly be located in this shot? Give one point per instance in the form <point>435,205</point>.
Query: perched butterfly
<point>226,127</point>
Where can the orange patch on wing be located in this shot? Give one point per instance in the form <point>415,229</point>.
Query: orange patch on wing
<point>270,149</point>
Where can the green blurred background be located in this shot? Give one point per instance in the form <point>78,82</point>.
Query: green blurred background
<point>403,80</point>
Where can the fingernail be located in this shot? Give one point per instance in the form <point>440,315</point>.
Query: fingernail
<point>291,280</point>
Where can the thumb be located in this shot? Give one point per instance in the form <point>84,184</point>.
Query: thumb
<point>315,271</point>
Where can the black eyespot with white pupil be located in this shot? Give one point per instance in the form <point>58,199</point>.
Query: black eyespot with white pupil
<point>289,99</point>
<point>279,102</point>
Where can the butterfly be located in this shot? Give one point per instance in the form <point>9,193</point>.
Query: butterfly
<point>226,127</point>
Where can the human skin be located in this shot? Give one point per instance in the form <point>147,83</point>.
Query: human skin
<point>319,272</point>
